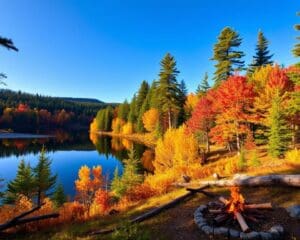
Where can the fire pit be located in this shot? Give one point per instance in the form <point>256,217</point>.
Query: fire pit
<point>230,218</point>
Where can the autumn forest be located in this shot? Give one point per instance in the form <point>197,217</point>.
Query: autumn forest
<point>243,119</point>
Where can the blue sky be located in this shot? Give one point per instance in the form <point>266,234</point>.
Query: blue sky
<point>104,49</point>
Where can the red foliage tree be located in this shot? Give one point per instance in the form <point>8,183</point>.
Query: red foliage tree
<point>232,101</point>
<point>202,118</point>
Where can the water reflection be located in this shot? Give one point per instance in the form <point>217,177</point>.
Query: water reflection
<point>69,151</point>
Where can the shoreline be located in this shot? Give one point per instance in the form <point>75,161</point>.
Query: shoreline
<point>139,138</point>
<point>23,136</point>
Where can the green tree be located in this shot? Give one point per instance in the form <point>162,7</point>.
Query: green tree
<point>141,96</point>
<point>227,57</point>
<point>123,110</point>
<point>296,50</point>
<point>182,99</point>
<point>22,184</point>
<point>108,118</point>
<point>262,55</point>
<point>168,90</point>
<point>59,197</point>
<point>132,115</point>
<point>279,135</point>
<point>203,86</point>
<point>130,177</point>
<point>43,178</point>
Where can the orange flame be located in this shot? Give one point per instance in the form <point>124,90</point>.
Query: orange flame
<point>237,201</point>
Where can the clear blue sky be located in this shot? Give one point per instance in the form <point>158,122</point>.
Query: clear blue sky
<point>104,49</point>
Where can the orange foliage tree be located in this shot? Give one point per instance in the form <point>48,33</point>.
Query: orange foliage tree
<point>86,186</point>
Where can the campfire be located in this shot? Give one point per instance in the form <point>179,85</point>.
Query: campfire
<point>238,209</point>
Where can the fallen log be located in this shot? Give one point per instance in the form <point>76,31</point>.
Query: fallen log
<point>258,206</point>
<point>155,211</point>
<point>256,181</point>
<point>241,221</point>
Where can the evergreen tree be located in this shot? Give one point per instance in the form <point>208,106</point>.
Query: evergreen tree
<point>296,50</point>
<point>228,59</point>
<point>116,185</point>
<point>43,178</point>
<point>59,197</point>
<point>203,86</point>
<point>22,184</point>
<point>108,118</point>
<point>132,115</point>
<point>130,176</point>
<point>152,95</point>
<point>141,96</point>
<point>123,110</point>
<point>168,90</point>
<point>182,99</point>
<point>262,55</point>
<point>279,136</point>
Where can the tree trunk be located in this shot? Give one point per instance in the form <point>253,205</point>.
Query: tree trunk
<point>249,181</point>
<point>169,118</point>
<point>207,143</point>
<point>238,145</point>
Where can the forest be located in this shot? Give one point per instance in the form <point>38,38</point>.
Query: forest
<point>247,121</point>
<point>31,113</point>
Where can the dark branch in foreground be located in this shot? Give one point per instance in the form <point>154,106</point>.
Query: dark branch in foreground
<point>156,211</point>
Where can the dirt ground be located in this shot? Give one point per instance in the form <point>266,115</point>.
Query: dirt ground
<point>178,224</point>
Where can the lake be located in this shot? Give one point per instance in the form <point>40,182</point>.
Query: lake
<point>70,151</point>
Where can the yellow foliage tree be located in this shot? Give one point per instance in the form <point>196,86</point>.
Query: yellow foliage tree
<point>86,186</point>
<point>93,126</point>
<point>178,148</point>
<point>190,103</point>
<point>117,125</point>
<point>127,128</point>
<point>150,119</point>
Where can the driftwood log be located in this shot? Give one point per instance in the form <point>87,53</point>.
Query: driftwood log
<point>18,220</point>
<point>156,211</point>
<point>256,181</point>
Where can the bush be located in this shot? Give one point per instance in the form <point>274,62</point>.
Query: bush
<point>254,160</point>
<point>293,156</point>
<point>129,231</point>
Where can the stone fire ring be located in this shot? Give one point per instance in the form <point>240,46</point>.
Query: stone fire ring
<point>275,232</point>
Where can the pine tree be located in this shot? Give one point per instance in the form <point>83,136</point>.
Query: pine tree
<point>141,96</point>
<point>279,134</point>
<point>168,90</point>
<point>296,50</point>
<point>262,55</point>
<point>22,184</point>
<point>59,197</point>
<point>182,99</point>
<point>108,118</point>
<point>228,59</point>
<point>203,86</point>
<point>43,178</point>
<point>132,115</point>
<point>116,185</point>
<point>123,110</point>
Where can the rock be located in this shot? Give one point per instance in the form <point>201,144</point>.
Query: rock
<point>265,236</point>
<point>207,229</point>
<point>220,231</point>
<point>277,231</point>
<point>294,211</point>
<point>201,208</point>
<point>234,234</point>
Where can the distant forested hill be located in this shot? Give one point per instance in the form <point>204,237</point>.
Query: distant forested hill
<point>20,111</point>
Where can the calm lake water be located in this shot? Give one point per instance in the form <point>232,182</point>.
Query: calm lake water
<point>69,152</point>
